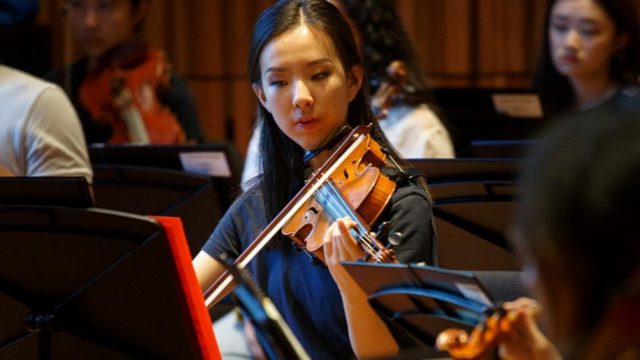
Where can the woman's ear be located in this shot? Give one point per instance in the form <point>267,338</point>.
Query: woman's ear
<point>354,77</point>
<point>257,89</point>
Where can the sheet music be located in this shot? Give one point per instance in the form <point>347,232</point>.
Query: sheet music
<point>518,105</point>
<point>210,163</point>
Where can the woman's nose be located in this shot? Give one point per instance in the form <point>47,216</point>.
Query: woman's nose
<point>90,18</point>
<point>572,39</point>
<point>301,95</point>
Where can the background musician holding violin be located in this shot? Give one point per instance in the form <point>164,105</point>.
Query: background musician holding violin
<point>123,89</point>
<point>401,97</point>
<point>309,79</point>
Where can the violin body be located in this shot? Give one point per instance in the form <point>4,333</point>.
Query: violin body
<point>485,337</point>
<point>122,91</point>
<point>352,178</point>
<point>360,182</point>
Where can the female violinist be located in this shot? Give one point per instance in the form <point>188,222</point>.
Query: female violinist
<point>309,79</point>
<point>107,32</point>
<point>400,100</point>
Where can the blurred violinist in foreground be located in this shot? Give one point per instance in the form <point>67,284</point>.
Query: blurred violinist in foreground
<point>123,89</point>
<point>309,80</point>
<point>577,237</point>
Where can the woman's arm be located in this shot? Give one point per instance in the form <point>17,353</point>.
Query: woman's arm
<point>369,335</point>
<point>208,270</point>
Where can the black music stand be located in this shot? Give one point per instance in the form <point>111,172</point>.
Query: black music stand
<point>219,160</point>
<point>45,190</point>
<point>482,114</point>
<point>155,191</point>
<point>97,284</point>
<point>472,234</point>
<point>273,334</point>
<point>501,149</point>
<point>474,201</point>
<point>422,301</point>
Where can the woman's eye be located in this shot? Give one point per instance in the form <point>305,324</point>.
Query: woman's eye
<point>589,31</point>
<point>277,83</point>
<point>559,27</point>
<point>321,75</point>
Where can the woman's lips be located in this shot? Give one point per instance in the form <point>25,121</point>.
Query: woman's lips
<point>569,59</point>
<point>306,122</point>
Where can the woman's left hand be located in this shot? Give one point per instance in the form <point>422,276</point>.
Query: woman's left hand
<point>339,245</point>
<point>369,335</point>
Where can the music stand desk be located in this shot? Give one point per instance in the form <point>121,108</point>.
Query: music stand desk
<point>220,161</point>
<point>422,300</point>
<point>45,190</point>
<point>98,284</point>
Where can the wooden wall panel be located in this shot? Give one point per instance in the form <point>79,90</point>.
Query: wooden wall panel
<point>506,42</point>
<point>460,43</point>
<point>439,31</point>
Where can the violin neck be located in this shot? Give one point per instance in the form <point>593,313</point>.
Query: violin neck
<point>136,130</point>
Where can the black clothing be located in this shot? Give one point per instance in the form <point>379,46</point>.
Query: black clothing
<point>304,291</point>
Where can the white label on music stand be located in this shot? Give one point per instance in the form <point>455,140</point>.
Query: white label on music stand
<point>518,105</point>
<point>473,292</point>
<point>210,163</point>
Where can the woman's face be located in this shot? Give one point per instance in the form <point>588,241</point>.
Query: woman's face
<point>304,86</point>
<point>99,25</point>
<point>583,38</point>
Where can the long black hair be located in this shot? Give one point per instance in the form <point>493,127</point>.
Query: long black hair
<point>624,67</point>
<point>280,157</point>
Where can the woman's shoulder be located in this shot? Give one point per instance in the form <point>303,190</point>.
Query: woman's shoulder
<point>407,187</point>
<point>628,99</point>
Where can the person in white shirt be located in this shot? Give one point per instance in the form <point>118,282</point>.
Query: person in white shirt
<point>40,134</point>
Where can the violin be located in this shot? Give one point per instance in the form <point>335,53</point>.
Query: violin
<point>349,183</point>
<point>390,89</point>
<point>483,338</point>
<point>123,90</point>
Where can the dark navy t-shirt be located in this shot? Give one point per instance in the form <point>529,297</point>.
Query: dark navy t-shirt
<point>303,291</point>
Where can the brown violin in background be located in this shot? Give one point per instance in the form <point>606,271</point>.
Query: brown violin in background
<point>123,91</point>
<point>483,339</point>
<point>391,88</point>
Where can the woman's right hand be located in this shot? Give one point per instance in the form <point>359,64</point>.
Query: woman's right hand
<point>526,341</point>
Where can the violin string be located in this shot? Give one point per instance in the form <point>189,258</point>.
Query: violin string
<point>330,199</point>
<point>339,205</point>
